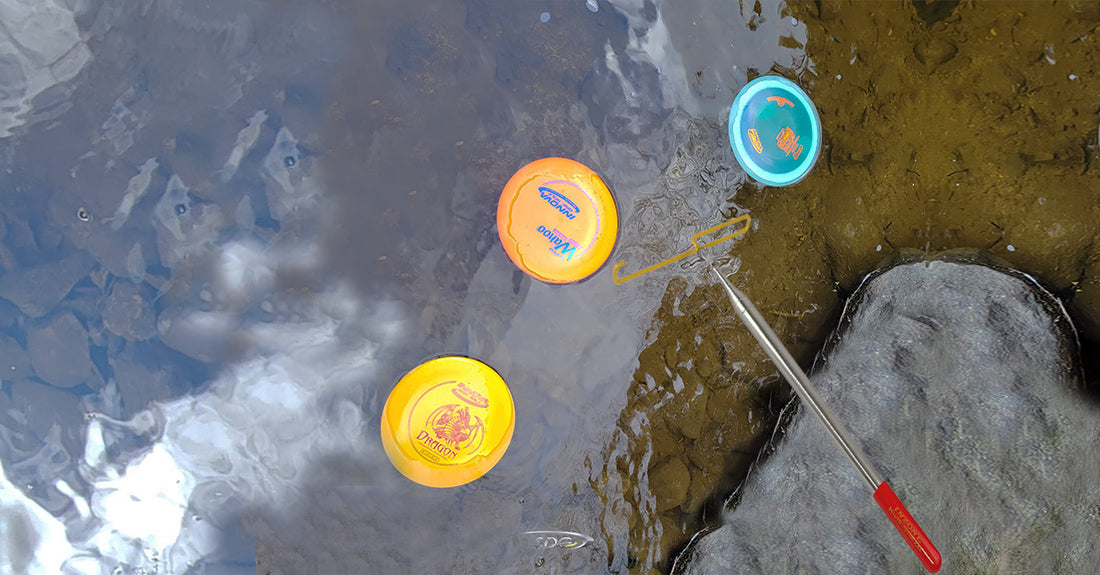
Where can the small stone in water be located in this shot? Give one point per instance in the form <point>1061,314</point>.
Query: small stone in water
<point>45,407</point>
<point>128,312</point>
<point>674,478</point>
<point>140,384</point>
<point>544,17</point>
<point>592,6</point>
<point>35,291</point>
<point>59,351</point>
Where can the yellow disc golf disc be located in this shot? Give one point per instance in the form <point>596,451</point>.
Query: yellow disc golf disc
<point>448,421</point>
<point>557,220</point>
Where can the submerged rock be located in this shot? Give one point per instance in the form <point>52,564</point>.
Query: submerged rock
<point>15,364</point>
<point>47,406</point>
<point>674,475</point>
<point>35,291</point>
<point>960,382</point>
<point>143,378</point>
<point>59,352</point>
<point>128,311</point>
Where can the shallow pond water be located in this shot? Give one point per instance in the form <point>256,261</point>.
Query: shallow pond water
<point>233,228</point>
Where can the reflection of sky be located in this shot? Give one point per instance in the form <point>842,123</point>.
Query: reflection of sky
<point>186,211</point>
<point>704,50</point>
<point>152,280</point>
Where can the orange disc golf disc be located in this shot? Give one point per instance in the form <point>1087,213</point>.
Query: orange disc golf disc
<point>557,220</point>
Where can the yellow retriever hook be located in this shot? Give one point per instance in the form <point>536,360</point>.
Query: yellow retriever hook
<point>694,241</point>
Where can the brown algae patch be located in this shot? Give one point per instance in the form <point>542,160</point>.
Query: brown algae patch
<point>946,126</point>
<point>977,130</point>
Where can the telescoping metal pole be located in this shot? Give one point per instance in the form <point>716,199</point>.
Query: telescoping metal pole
<point>897,513</point>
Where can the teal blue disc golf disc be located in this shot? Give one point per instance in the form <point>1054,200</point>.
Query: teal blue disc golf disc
<point>774,131</point>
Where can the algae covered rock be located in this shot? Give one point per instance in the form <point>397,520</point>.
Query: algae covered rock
<point>961,383</point>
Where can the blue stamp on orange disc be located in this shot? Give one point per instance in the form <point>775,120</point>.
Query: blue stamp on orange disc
<point>774,131</point>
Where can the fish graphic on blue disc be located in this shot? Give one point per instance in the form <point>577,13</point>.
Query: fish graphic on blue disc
<point>774,131</point>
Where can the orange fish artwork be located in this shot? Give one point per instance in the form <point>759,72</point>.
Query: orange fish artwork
<point>754,136</point>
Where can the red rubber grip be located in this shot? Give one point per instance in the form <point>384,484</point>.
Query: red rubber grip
<point>907,526</point>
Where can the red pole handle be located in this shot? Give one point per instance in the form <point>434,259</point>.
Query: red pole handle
<point>907,526</point>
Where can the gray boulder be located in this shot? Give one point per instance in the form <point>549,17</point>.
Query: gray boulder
<point>962,384</point>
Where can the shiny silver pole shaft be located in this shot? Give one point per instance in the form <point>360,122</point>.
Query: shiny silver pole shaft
<point>798,380</point>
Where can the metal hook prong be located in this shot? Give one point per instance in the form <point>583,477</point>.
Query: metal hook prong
<point>694,241</point>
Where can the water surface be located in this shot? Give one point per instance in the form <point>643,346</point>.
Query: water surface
<point>233,227</point>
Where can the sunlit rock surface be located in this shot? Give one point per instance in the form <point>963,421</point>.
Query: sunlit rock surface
<point>961,384</point>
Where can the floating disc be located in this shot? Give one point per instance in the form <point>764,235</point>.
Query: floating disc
<point>774,131</point>
<point>448,422</point>
<point>557,220</point>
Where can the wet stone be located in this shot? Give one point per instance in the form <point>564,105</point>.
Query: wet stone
<point>9,314</point>
<point>139,384</point>
<point>698,494</point>
<point>674,479</point>
<point>663,441</point>
<point>961,383</point>
<point>688,412</point>
<point>59,352</point>
<point>706,359</point>
<point>36,291</point>
<point>15,364</point>
<point>128,311</point>
<point>672,351</point>
<point>47,406</point>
